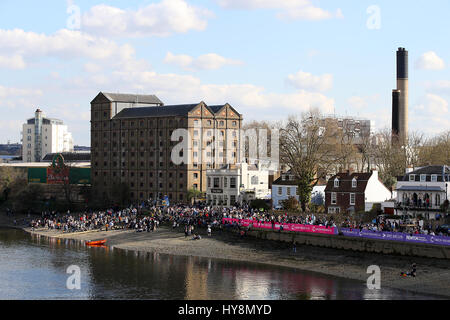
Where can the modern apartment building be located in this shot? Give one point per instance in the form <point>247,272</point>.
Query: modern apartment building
<point>42,135</point>
<point>235,184</point>
<point>131,144</point>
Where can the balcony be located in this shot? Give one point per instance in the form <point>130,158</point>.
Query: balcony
<point>416,207</point>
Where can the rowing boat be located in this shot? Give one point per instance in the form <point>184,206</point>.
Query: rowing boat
<point>95,243</point>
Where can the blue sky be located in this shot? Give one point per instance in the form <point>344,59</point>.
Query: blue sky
<point>268,58</point>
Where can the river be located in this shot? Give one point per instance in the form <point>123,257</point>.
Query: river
<point>33,267</point>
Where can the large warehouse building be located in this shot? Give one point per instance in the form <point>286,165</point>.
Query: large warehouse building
<point>131,144</point>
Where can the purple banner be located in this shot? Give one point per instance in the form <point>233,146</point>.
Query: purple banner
<point>396,236</point>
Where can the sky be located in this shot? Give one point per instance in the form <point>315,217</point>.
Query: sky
<point>267,58</point>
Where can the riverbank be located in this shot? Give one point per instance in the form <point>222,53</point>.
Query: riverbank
<point>433,274</point>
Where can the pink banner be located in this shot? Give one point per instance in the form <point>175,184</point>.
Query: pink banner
<point>286,226</point>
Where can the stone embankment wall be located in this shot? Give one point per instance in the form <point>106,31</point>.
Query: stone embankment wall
<point>356,244</point>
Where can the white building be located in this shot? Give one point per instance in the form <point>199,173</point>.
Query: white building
<point>423,191</point>
<point>236,184</point>
<point>42,135</point>
<point>286,186</point>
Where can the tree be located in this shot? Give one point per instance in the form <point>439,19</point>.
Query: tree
<point>291,204</point>
<point>308,148</point>
<point>436,150</point>
<point>8,177</point>
<point>193,195</point>
<point>390,158</point>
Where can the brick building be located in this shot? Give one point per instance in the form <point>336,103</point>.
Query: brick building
<point>354,192</point>
<point>131,144</point>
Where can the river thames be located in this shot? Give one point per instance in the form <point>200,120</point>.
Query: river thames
<point>34,267</point>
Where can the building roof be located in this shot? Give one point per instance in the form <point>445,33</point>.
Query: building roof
<point>420,188</point>
<point>345,182</point>
<point>216,108</point>
<point>132,98</point>
<point>142,112</point>
<point>69,156</point>
<point>46,120</point>
<point>428,170</point>
<point>281,182</point>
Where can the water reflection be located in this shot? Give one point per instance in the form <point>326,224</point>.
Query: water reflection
<point>34,267</point>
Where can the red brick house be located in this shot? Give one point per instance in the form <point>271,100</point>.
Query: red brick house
<point>354,192</point>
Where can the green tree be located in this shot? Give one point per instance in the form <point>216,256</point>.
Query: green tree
<point>290,204</point>
<point>194,194</point>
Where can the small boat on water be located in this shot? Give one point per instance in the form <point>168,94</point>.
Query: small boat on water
<point>96,243</point>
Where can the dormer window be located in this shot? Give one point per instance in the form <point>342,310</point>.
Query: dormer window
<point>291,178</point>
<point>412,177</point>
<point>354,183</point>
<point>434,178</point>
<point>336,183</point>
<point>423,177</point>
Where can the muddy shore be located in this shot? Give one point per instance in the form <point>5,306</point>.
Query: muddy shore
<point>433,275</point>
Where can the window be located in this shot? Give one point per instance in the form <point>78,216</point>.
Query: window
<point>221,123</point>
<point>195,175</point>
<point>234,123</point>
<point>255,180</point>
<point>288,190</point>
<point>209,182</point>
<point>434,178</point>
<point>438,200</point>
<point>209,122</point>
<point>412,177</point>
<point>195,123</point>
<point>216,182</point>
<point>280,191</point>
<point>354,183</point>
<point>195,133</point>
<point>352,199</point>
<point>423,177</point>
<point>233,183</point>
<point>225,182</point>
<point>333,198</point>
<point>336,183</point>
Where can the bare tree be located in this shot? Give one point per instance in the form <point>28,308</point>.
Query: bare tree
<point>308,148</point>
<point>436,150</point>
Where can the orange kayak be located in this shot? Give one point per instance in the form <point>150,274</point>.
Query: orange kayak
<point>95,243</point>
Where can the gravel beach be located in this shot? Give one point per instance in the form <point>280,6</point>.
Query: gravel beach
<point>433,275</point>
